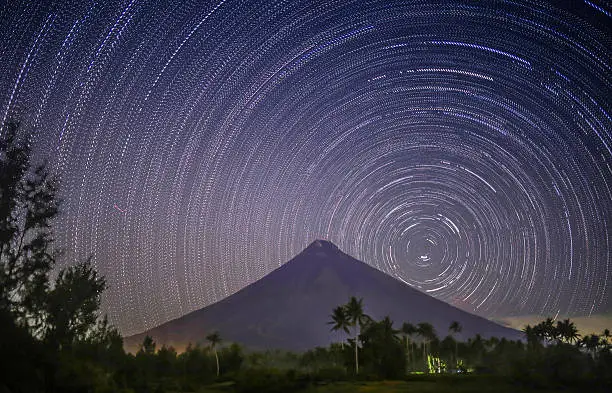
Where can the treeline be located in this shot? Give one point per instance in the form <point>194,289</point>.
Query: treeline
<point>555,356</point>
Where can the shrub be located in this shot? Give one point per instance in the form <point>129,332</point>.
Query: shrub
<point>268,381</point>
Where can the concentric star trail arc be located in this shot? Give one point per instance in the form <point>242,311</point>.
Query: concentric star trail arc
<point>462,147</point>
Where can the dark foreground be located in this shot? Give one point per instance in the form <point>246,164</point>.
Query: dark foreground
<point>416,384</point>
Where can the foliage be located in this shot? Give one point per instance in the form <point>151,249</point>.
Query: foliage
<point>214,339</point>
<point>383,351</point>
<point>52,336</point>
<point>340,320</point>
<point>320,358</point>
<point>24,362</point>
<point>358,319</point>
<point>72,305</point>
<point>28,204</point>
<point>269,381</point>
<point>549,332</point>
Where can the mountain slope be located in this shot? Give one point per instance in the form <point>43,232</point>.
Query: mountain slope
<point>290,307</point>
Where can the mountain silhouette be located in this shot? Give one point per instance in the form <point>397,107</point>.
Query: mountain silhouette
<point>290,307</point>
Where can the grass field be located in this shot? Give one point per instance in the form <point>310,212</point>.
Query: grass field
<point>425,384</point>
<point>421,387</point>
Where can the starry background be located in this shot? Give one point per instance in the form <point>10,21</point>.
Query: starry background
<point>463,147</point>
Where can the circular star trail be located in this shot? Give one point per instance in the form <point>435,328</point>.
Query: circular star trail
<point>463,147</point>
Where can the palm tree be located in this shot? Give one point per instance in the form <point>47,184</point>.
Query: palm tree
<point>357,318</point>
<point>340,321</point>
<point>532,335</point>
<point>427,332</point>
<point>478,348</point>
<point>548,329</point>
<point>387,329</point>
<point>214,339</point>
<point>591,343</point>
<point>543,331</point>
<point>455,328</point>
<point>567,331</point>
<point>408,330</point>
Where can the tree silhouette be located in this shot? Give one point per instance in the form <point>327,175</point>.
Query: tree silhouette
<point>591,343</point>
<point>547,330</point>
<point>59,316</point>
<point>148,346</point>
<point>477,348</point>
<point>428,334</point>
<point>408,330</point>
<point>354,311</point>
<point>567,331</point>
<point>214,339</point>
<point>28,204</point>
<point>455,328</point>
<point>382,349</point>
<point>72,304</point>
<point>532,334</point>
<point>491,343</point>
<point>605,338</point>
<point>340,321</point>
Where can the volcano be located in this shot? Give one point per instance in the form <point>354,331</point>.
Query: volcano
<point>290,307</point>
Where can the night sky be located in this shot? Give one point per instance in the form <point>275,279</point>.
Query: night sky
<point>463,147</point>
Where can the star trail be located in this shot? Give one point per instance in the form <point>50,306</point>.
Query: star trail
<point>462,147</point>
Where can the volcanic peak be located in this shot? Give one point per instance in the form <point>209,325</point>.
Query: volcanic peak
<point>324,244</point>
<point>289,307</point>
<point>322,249</point>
